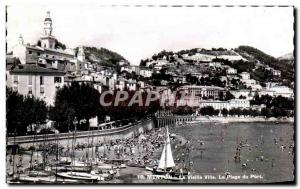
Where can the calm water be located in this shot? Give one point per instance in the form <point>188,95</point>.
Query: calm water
<point>273,161</point>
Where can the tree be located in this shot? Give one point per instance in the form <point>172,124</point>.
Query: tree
<point>216,112</point>
<point>183,110</point>
<point>279,112</point>
<point>23,111</point>
<point>266,112</point>
<point>191,79</point>
<point>202,80</point>
<point>78,102</point>
<point>231,112</point>
<point>229,96</point>
<point>14,102</point>
<point>207,110</point>
<point>242,97</point>
<point>224,112</point>
<point>245,112</point>
<point>221,95</point>
<point>216,81</point>
<point>143,63</point>
<point>239,111</point>
<point>59,45</point>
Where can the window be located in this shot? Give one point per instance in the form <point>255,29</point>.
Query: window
<point>53,56</point>
<point>30,80</point>
<point>57,79</point>
<point>42,90</point>
<point>29,52</point>
<point>15,79</point>
<point>38,54</point>
<point>41,80</point>
<point>29,90</point>
<point>46,55</point>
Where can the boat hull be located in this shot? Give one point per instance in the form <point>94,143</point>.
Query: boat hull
<point>79,176</point>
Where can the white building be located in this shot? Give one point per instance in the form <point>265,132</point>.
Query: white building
<point>219,105</point>
<point>283,91</point>
<point>231,71</point>
<point>245,75</point>
<point>31,79</point>
<point>244,92</point>
<point>271,84</point>
<point>192,101</point>
<point>255,87</point>
<point>276,72</point>
<point>215,64</point>
<point>203,91</point>
<point>266,92</point>
<point>142,71</point>
<point>123,83</point>
<point>146,72</point>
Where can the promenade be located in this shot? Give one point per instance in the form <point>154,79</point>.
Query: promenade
<point>126,131</point>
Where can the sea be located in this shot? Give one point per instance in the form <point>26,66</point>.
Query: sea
<point>266,154</point>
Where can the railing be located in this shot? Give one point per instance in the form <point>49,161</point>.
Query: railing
<point>79,134</point>
<point>176,116</point>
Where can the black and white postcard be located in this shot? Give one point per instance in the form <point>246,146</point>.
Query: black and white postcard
<point>150,94</point>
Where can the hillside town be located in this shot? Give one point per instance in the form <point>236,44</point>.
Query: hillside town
<point>209,77</point>
<point>53,110</point>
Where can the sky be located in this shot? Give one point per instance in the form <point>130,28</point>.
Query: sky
<point>139,32</point>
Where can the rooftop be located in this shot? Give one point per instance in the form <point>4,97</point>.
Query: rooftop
<point>201,86</point>
<point>35,69</point>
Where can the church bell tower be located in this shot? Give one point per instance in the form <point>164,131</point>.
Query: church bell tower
<point>48,25</point>
<point>47,40</point>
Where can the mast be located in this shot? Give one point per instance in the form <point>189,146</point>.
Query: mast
<point>166,160</point>
<point>166,143</point>
<point>14,150</point>
<point>57,154</point>
<point>73,146</point>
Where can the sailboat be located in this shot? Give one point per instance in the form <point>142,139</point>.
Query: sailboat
<point>78,170</point>
<point>166,167</point>
<point>166,161</point>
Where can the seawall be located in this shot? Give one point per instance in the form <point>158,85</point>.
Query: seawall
<point>127,131</point>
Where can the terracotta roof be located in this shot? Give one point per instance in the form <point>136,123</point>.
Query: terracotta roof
<point>35,69</point>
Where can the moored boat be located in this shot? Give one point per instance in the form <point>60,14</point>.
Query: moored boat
<point>166,167</point>
<point>80,176</point>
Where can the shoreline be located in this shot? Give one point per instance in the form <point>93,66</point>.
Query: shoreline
<point>210,119</point>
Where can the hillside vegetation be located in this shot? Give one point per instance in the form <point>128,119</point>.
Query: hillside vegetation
<point>285,66</point>
<point>102,56</point>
